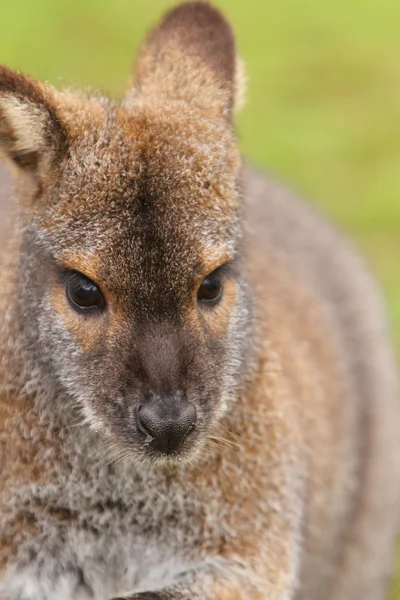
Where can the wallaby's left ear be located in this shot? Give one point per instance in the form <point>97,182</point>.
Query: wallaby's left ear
<point>31,134</point>
<point>190,57</point>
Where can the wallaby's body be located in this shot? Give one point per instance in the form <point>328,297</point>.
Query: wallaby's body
<point>198,397</point>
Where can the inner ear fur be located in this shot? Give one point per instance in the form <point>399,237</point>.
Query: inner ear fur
<point>190,56</point>
<point>31,134</point>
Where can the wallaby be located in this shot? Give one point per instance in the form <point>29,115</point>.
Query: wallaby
<point>198,397</point>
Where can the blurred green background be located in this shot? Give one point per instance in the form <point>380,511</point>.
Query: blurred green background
<point>323,108</point>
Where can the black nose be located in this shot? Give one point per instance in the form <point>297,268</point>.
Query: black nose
<point>166,422</point>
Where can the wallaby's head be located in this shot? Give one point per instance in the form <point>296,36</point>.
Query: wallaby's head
<point>131,287</point>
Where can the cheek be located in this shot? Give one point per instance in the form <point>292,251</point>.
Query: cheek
<point>86,331</point>
<point>218,319</point>
<point>83,351</point>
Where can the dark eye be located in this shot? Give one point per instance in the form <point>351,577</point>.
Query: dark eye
<point>83,294</point>
<point>210,290</point>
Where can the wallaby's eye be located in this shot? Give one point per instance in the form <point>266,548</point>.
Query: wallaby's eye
<point>210,290</point>
<point>83,294</point>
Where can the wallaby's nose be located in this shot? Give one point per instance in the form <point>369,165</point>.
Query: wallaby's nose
<point>167,421</point>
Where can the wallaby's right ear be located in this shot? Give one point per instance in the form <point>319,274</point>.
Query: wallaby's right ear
<point>31,134</point>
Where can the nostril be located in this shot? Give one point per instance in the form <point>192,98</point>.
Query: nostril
<point>144,427</point>
<point>166,424</point>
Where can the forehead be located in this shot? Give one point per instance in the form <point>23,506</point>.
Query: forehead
<point>151,184</point>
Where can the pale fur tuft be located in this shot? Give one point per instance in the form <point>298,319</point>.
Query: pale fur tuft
<point>241,82</point>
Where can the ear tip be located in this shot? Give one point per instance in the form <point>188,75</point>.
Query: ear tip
<point>15,82</point>
<point>28,118</point>
<point>202,14</point>
<point>8,79</point>
<point>197,8</point>
<point>204,31</point>
<point>190,55</point>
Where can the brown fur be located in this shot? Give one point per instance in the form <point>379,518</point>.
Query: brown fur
<point>286,480</point>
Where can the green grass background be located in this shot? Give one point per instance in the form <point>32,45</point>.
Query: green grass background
<point>323,107</point>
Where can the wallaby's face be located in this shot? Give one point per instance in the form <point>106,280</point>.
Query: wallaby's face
<point>131,271</point>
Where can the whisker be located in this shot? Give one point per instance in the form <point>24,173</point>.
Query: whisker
<point>226,442</point>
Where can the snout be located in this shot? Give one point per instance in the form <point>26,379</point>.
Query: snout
<point>166,422</point>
